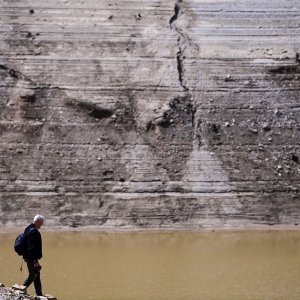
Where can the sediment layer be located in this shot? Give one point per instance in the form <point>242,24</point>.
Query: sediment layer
<point>150,113</point>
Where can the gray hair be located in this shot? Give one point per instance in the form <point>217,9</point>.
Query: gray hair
<point>38,218</point>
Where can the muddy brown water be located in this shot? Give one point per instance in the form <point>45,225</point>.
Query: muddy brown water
<point>164,265</point>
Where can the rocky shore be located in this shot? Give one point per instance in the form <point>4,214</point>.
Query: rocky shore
<point>7,293</point>
<point>17,292</point>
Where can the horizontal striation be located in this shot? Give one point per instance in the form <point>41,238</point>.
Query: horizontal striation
<point>181,114</point>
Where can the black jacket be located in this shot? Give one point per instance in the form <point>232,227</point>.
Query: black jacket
<point>34,243</point>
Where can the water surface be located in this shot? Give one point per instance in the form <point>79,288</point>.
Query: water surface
<point>164,265</point>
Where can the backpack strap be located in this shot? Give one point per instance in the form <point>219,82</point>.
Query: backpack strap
<point>30,231</point>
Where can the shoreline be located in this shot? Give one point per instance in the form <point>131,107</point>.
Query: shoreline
<point>112,229</point>
<point>8,293</point>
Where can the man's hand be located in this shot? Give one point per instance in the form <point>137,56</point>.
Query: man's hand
<point>37,266</point>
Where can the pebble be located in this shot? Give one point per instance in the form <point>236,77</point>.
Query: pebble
<point>266,127</point>
<point>138,16</point>
<point>253,130</point>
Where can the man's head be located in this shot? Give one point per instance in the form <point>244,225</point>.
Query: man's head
<point>38,221</point>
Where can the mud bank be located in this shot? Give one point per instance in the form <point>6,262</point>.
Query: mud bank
<point>150,114</point>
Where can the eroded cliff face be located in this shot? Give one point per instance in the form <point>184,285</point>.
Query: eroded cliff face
<point>150,113</point>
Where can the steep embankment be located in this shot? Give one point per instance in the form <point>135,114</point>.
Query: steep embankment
<point>150,113</point>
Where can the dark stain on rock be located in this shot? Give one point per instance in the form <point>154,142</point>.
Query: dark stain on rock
<point>295,158</point>
<point>108,175</point>
<point>107,172</point>
<point>91,109</point>
<point>171,135</point>
<point>215,128</point>
<point>286,69</point>
<point>28,96</point>
<point>10,71</point>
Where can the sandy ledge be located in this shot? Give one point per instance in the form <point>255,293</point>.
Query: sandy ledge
<point>285,227</point>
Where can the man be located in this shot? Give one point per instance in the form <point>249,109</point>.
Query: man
<point>34,253</point>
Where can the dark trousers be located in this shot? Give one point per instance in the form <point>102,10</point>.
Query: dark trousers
<point>34,276</point>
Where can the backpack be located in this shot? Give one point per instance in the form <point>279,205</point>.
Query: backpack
<point>20,244</point>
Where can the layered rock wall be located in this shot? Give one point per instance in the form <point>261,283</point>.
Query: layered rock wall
<point>150,113</point>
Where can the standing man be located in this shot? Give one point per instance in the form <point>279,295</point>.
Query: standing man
<point>34,253</point>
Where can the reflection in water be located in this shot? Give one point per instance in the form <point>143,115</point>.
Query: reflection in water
<point>164,265</point>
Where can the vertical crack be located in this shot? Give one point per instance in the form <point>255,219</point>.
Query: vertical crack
<point>180,43</point>
<point>180,66</point>
<point>177,9</point>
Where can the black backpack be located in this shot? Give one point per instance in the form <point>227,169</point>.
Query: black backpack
<point>20,244</point>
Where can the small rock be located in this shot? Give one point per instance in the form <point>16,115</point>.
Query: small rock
<point>18,287</point>
<point>266,127</point>
<point>276,112</point>
<point>253,130</point>
<point>228,77</point>
<point>31,11</point>
<point>110,17</point>
<point>138,16</point>
<point>37,51</point>
<point>50,297</point>
<point>2,284</point>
